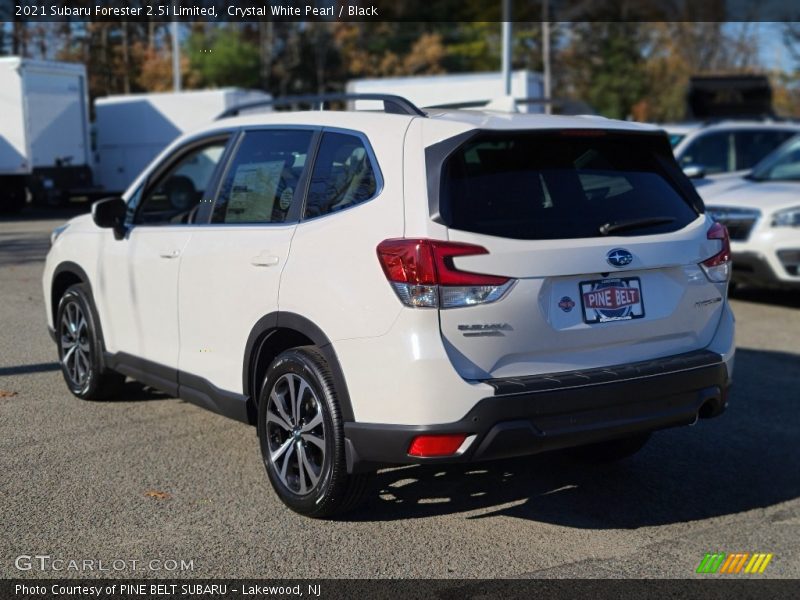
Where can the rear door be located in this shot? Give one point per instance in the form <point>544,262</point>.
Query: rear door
<point>231,268</point>
<point>603,236</point>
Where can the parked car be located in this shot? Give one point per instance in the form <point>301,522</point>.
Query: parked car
<point>761,210</point>
<point>372,289</point>
<point>729,145</point>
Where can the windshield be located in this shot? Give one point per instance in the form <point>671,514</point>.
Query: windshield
<point>781,165</point>
<point>564,185</point>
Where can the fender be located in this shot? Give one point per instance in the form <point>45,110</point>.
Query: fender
<point>74,269</point>
<point>288,320</point>
<point>70,267</point>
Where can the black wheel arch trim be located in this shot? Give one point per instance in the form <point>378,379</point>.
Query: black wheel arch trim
<point>76,270</point>
<point>275,321</point>
<point>73,268</point>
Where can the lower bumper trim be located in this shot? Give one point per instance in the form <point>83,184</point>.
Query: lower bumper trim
<point>536,418</point>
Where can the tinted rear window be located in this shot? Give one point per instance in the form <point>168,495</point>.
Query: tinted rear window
<point>555,186</point>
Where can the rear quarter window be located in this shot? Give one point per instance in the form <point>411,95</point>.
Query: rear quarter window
<point>561,186</point>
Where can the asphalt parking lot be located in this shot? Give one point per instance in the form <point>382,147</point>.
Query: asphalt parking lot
<point>147,477</point>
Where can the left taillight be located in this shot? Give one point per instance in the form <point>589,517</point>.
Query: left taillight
<point>423,275</point>
<point>718,267</point>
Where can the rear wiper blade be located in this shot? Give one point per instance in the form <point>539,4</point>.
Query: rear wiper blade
<point>608,228</point>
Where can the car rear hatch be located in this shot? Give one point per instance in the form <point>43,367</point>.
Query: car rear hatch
<point>593,242</point>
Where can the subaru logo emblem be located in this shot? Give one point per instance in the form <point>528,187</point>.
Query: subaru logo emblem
<point>619,257</point>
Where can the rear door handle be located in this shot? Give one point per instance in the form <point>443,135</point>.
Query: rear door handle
<point>265,260</point>
<point>170,253</point>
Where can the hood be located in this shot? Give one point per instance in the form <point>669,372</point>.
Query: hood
<point>763,195</point>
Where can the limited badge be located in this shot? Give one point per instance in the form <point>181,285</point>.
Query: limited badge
<point>566,304</point>
<point>286,198</point>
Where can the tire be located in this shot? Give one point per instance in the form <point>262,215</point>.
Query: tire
<point>80,347</point>
<point>301,434</point>
<point>611,450</point>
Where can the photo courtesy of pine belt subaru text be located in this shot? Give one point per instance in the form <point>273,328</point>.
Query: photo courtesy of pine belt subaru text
<point>397,286</point>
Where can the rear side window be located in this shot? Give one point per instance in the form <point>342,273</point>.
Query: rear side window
<point>261,183</point>
<point>560,186</point>
<point>754,144</point>
<point>343,175</point>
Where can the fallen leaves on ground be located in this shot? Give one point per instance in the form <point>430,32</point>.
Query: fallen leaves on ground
<point>7,394</point>
<point>156,495</point>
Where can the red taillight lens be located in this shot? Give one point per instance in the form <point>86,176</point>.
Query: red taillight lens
<point>419,268</point>
<point>718,231</point>
<point>436,445</point>
<point>407,261</point>
<point>718,267</point>
<point>430,262</point>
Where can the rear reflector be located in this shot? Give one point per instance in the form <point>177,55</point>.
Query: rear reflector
<point>436,445</point>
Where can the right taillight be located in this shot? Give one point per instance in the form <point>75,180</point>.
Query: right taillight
<point>423,275</point>
<point>718,267</point>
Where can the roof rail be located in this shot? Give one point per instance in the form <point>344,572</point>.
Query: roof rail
<point>484,103</point>
<point>391,103</point>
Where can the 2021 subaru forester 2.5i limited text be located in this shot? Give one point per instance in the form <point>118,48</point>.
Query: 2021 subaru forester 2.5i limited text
<point>379,288</point>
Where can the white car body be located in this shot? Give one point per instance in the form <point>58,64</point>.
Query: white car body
<point>764,242</point>
<point>181,305</point>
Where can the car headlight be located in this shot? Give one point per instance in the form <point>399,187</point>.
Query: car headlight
<point>787,218</point>
<point>57,232</point>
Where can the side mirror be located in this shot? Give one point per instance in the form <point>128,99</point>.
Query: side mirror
<point>110,214</point>
<point>694,171</point>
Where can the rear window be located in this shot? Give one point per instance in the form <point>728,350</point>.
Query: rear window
<point>537,186</point>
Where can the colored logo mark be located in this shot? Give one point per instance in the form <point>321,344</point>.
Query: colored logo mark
<point>566,304</point>
<point>737,562</point>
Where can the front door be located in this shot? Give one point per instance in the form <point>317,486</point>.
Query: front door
<point>138,283</point>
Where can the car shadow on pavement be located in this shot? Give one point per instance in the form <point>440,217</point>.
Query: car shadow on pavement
<point>745,459</point>
<point>133,391</point>
<point>28,369</point>
<point>20,248</point>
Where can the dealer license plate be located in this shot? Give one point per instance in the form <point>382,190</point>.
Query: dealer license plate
<point>616,299</point>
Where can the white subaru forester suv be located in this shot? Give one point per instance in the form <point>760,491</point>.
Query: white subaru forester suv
<point>393,287</point>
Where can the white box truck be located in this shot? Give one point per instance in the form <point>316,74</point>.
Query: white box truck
<point>44,131</point>
<point>455,89</point>
<point>132,129</point>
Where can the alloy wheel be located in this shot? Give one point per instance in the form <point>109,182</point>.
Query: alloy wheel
<point>296,433</point>
<point>75,351</point>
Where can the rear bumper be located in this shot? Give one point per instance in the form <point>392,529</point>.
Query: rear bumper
<point>547,412</point>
